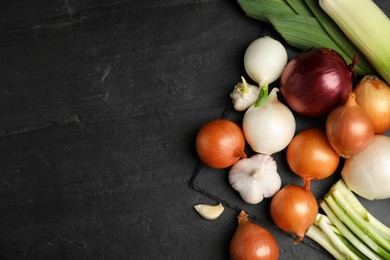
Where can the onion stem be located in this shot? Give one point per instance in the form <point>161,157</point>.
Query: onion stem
<point>307,184</point>
<point>262,96</point>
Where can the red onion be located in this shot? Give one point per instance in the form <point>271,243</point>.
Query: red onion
<point>316,81</point>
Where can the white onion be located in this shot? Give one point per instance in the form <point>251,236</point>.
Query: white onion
<point>264,60</point>
<point>368,172</point>
<point>270,127</point>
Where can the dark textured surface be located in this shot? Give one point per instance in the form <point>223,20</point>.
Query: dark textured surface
<point>100,102</point>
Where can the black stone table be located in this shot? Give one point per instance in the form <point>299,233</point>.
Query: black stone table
<point>100,103</point>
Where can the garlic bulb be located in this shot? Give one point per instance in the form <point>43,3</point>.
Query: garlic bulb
<point>244,95</point>
<point>270,126</point>
<point>255,178</point>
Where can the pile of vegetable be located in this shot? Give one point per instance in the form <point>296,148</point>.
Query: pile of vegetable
<point>337,45</point>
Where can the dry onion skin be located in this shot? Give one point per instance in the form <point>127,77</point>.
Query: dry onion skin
<point>368,172</point>
<point>294,210</point>
<point>251,241</point>
<point>316,81</point>
<point>270,126</point>
<point>373,95</point>
<point>349,128</point>
<point>310,155</point>
<point>220,143</point>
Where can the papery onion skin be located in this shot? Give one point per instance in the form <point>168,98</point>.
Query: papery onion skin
<point>316,81</point>
<point>251,241</point>
<point>220,143</point>
<point>269,128</point>
<point>368,172</point>
<point>264,60</point>
<point>373,95</point>
<point>349,128</point>
<point>310,155</point>
<point>294,210</point>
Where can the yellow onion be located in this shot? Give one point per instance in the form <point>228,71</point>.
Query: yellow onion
<point>294,210</point>
<point>310,155</point>
<point>251,241</point>
<point>373,95</point>
<point>220,143</point>
<point>349,128</point>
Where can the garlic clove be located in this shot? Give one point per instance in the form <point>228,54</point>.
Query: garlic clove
<point>209,211</point>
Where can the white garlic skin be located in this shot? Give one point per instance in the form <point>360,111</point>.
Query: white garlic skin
<point>255,178</point>
<point>242,101</point>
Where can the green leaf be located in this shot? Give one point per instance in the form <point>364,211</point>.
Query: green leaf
<point>263,9</point>
<point>299,7</point>
<point>340,38</point>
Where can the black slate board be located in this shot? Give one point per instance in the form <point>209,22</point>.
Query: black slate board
<point>214,183</point>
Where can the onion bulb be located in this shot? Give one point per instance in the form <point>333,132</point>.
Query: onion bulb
<point>294,210</point>
<point>220,143</point>
<point>368,172</point>
<point>251,241</point>
<point>269,127</point>
<point>373,95</point>
<point>264,60</point>
<point>310,155</point>
<point>349,128</point>
<point>316,81</point>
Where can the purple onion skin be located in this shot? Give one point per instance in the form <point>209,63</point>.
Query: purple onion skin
<point>316,81</point>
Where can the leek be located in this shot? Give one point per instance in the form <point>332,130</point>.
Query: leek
<point>304,25</point>
<point>340,246</point>
<point>263,9</point>
<point>371,37</point>
<point>299,7</point>
<point>316,234</point>
<point>348,228</point>
<point>340,38</point>
<point>347,233</point>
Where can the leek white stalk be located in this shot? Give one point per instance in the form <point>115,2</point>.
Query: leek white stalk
<point>371,37</point>
<point>268,125</point>
<point>348,228</point>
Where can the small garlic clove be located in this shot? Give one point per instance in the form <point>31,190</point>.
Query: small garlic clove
<point>209,211</point>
